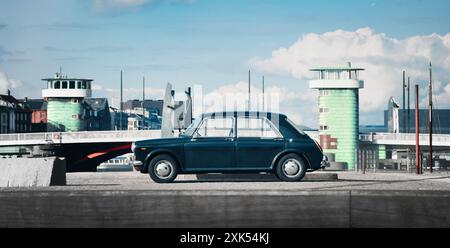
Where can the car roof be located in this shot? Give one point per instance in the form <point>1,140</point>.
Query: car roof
<point>244,113</point>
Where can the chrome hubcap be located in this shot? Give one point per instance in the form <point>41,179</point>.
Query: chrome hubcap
<point>163,169</point>
<point>292,168</point>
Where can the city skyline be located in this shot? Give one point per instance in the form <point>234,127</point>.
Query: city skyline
<point>215,43</point>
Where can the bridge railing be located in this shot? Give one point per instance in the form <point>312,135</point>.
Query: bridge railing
<point>77,137</point>
<point>112,135</point>
<point>405,137</point>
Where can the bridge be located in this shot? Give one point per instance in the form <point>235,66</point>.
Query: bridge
<point>85,150</point>
<point>32,139</point>
<point>405,139</point>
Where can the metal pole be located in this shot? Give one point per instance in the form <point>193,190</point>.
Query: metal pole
<point>404,104</point>
<point>263,93</point>
<point>143,98</point>
<point>409,108</point>
<point>430,118</point>
<point>121,100</point>
<point>249,90</point>
<point>418,161</point>
<point>409,126</point>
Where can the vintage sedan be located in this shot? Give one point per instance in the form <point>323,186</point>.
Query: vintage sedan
<point>232,142</point>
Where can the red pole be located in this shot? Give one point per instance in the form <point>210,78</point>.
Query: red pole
<point>364,163</point>
<point>418,162</point>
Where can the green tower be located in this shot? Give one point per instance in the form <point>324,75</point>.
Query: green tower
<point>65,111</point>
<point>339,111</point>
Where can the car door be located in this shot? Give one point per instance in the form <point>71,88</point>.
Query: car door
<point>212,147</point>
<point>258,142</point>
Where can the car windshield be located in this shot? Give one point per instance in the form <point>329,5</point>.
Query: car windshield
<point>295,126</point>
<point>191,129</point>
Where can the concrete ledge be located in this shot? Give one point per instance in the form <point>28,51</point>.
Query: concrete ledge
<point>317,176</point>
<point>32,172</point>
<point>233,209</point>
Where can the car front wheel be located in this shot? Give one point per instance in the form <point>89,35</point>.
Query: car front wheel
<point>163,169</point>
<point>291,168</point>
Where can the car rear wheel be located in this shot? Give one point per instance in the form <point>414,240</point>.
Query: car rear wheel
<point>163,169</point>
<point>291,168</point>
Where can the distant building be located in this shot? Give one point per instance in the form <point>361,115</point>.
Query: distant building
<point>97,116</point>
<point>8,104</point>
<point>149,105</point>
<point>441,121</point>
<point>38,108</point>
<point>139,122</point>
<point>365,129</point>
<point>339,111</point>
<point>15,117</point>
<point>70,107</point>
<point>148,116</point>
<point>119,120</point>
<point>23,118</point>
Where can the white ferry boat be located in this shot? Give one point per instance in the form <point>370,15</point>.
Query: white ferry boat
<point>122,163</point>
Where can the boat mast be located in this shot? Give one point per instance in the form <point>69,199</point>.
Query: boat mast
<point>430,117</point>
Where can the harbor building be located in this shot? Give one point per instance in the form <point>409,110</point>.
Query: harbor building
<point>339,112</point>
<point>15,116</point>
<point>38,108</point>
<point>441,121</point>
<point>70,107</point>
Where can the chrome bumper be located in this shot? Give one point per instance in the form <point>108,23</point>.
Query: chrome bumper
<point>325,163</point>
<point>137,165</point>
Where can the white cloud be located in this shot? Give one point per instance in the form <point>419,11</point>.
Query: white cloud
<point>277,99</point>
<point>383,57</point>
<point>441,95</point>
<point>96,87</point>
<point>8,83</point>
<point>120,5</point>
<point>18,88</point>
<point>132,93</point>
<point>113,4</point>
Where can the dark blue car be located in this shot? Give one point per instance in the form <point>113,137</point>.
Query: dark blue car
<point>232,142</point>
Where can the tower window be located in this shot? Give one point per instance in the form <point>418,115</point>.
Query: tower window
<point>324,93</point>
<point>324,110</point>
<point>57,85</point>
<point>64,84</point>
<point>323,128</point>
<point>72,85</point>
<point>78,84</point>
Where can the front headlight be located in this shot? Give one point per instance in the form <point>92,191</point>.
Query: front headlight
<point>133,147</point>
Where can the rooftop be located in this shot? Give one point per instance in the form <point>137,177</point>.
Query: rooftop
<point>347,67</point>
<point>97,104</point>
<point>67,79</point>
<point>242,113</point>
<point>60,76</point>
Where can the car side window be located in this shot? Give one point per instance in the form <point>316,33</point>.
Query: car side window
<point>253,127</point>
<point>216,127</point>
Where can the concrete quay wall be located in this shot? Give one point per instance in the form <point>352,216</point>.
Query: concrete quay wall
<point>32,172</point>
<point>234,209</point>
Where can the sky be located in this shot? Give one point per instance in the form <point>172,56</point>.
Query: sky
<point>214,43</point>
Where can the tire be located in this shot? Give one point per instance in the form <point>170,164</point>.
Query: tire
<point>287,171</point>
<point>163,169</point>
